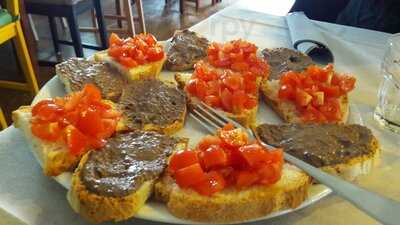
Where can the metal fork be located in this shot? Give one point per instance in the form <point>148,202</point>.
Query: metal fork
<point>383,209</point>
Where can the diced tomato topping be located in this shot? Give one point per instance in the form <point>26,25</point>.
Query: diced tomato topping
<point>316,92</point>
<point>135,51</point>
<point>182,159</point>
<point>213,183</point>
<point>246,178</point>
<point>231,73</point>
<point>208,141</point>
<point>190,175</point>
<point>223,160</point>
<point>76,140</point>
<point>46,131</point>
<point>213,157</point>
<point>80,120</point>
<point>254,154</point>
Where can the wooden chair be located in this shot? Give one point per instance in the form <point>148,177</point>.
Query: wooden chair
<point>69,9</point>
<point>123,13</point>
<point>197,4</point>
<point>10,29</point>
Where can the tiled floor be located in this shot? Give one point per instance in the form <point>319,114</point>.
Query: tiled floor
<point>161,20</point>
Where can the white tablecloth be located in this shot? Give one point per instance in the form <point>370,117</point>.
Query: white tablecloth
<point>27,196</point>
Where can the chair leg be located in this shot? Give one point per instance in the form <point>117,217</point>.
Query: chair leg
<point>139,7</point>
<point>24,59</point>
<point>101,23</point>
<point>3,122</point>
<point>75,35</point>
<point>197,5</point>
<point>32,25</point>
<point>54,34</point>
<point>129,17</point>
<point>93,17</point>
<point>118,11</point>
<point>181,6</point>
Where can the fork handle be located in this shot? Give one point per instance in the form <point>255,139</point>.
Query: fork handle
<point>383,209</point>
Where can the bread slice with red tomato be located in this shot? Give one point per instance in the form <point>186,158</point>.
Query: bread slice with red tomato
<point>233,205</point>
<point>50,127</point>
<point>137,57</point>
<point>145,71</point>
<point>247,117</point>
<point>54,157</point>
<point>287,110</point>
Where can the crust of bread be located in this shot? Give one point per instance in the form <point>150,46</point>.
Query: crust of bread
<point>97,208</point>
<point>286,110</point>
<point>54,157</point>
<point>357,166</point>
<point>147,71</point>
<point>232,205</point>
<point>247,118</point>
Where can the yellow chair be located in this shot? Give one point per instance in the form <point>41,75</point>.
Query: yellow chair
<point>10,28</point>
<point>13,30</point>
<point>3,122</point>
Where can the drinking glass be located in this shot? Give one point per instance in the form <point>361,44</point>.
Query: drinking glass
<point>387,112</point>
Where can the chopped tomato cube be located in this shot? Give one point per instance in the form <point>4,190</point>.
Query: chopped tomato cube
<point>114,40</point>
<point>347,83</point>
<point>208,141</point>
<point>127,61</point>
<point>213,157</point>
<point>182,159</point>
<point>250,103</point>
<point>246,178</point>
<point>191,86</point>
<point>46,131</point>
<point>213,183</point>
<point>330,90</point>
<point>233,81</point>
<point>76,141</point>
<point>90,122</point>
<point>226,100</point>
<point>212,100</point>
<point>201,89</point>
<point>190,175</point>
<point>155,53</point>
<point>302,98</point>
<point>286,92</point>
<point>254,154</point>
<point>239,98</point>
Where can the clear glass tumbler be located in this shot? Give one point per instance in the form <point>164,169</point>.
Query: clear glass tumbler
<point>387,112</point>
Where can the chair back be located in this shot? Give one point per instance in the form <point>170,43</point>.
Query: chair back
<point>13,7</point>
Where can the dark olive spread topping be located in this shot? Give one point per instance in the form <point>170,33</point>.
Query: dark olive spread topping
<point>126,162</point>
<point>186,48</point>
<point>79,71</point>
<point>320,145</point>
<point>152,102</point>
<point>282,60</point>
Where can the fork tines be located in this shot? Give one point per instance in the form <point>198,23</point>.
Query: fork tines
<point>210,118</point>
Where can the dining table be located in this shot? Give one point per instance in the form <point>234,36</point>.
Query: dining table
<point>29,197</point>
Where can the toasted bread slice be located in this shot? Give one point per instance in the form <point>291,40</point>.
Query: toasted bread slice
<point>233,205</point>
<point>100,208</point>
<point>75,73</point>
<point>54,157</point>
<point>287,110</point>
<point>153,105</point>
<point>349,150</point>
<point>149,70</point>
<point>247,118</point>
<point>186,48</point>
